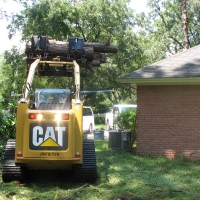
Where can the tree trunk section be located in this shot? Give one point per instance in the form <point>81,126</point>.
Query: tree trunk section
<point>56,47</point>
<point>185,25</point>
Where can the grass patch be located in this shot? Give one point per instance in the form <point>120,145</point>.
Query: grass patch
<point>121,175</point>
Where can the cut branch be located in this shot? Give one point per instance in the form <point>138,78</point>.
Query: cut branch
<point>94,63</point>
<point>61,49</point>
<point>56,47</point>
<point>88,55</point>
<point>80,188</point>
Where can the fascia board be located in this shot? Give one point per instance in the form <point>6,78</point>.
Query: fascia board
<point>161,81</point>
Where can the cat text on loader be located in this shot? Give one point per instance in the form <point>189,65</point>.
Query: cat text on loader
<point>49,131</point>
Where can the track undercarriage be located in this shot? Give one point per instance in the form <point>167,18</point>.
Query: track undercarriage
<point>87,172</point>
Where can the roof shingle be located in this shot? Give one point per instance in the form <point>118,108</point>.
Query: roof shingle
<point>182,65</point>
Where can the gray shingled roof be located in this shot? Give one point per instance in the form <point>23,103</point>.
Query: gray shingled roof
<point>182,65</point>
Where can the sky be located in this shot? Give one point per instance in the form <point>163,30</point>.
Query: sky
<point>11,6</point>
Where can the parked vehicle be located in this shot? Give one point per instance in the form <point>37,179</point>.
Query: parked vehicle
<point>88,119</point>
<point>110,117</point>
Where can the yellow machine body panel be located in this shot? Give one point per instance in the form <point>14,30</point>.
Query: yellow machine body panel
<point>49,142</point>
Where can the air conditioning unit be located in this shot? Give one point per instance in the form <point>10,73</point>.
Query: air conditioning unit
<point>119,139</point>
<point>98,135</point>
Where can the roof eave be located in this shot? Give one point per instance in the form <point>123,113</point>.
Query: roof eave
<point>160,81</point>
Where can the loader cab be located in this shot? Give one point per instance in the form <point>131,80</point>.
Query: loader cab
<point>52,99</point>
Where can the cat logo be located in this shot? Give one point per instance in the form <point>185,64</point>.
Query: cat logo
<point>48,136</point>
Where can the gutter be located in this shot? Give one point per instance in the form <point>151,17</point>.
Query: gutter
<point>159,81</point>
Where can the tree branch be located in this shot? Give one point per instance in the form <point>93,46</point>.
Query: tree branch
<point>176,41</point>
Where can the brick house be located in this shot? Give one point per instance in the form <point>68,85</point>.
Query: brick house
<point>168,105</point>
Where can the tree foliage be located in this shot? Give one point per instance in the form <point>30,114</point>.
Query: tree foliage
<point>168,23</point>
<point>95,21</point>
<point>13,74</point>
<point>7,123</point>
<point>142,39</point>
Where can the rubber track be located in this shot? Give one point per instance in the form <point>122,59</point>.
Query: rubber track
<point>11,171</point>
<point>87,172</point>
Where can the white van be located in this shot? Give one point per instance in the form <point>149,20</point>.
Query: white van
<point>88,119</point>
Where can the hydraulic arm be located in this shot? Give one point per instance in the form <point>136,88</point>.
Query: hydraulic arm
<point>36,66</point>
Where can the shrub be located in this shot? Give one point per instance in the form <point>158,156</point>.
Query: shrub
<point>7,126</point>
<point>127,120</point>
<point>99,120</point>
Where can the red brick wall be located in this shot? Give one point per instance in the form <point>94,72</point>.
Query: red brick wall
<point>168,120</point>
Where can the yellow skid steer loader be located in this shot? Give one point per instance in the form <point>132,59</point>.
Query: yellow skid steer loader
<point>49,128</point>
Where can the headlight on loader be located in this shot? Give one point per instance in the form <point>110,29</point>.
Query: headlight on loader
<point>59,117</point>
<point>35,116</point>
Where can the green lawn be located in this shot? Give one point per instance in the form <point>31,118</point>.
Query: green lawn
<point>121,176</point>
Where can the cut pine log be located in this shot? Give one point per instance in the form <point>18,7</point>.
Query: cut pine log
<point>88,54</point>
<point>94,63</point>
<point>101,47</point>
<point>60,50</point>
<point>55,47</point>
